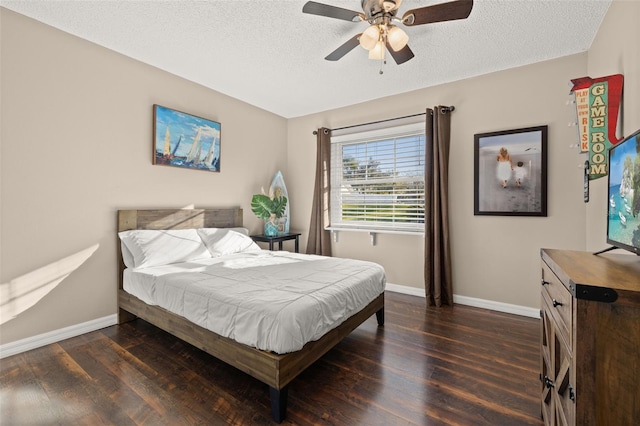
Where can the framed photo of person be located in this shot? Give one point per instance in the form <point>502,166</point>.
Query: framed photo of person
<point>510,174</point>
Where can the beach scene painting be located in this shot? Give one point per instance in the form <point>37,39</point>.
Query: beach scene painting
<point>185,140</point>
<point>511,172</point>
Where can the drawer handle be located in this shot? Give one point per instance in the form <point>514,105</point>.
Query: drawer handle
<point>572,394</point>
<point>548,382</point>
<point>556,303</point>
<point>543,282</point>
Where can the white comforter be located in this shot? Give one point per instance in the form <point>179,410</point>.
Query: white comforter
<point>275,301</point>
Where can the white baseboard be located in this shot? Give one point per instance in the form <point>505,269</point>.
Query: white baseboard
<point>54,336</point>
<point>472,301</point>
<point>413,291</point>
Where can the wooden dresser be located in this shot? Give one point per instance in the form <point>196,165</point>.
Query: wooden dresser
<point>590,338</point>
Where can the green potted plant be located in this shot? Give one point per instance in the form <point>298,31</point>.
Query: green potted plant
<point>269,208</point>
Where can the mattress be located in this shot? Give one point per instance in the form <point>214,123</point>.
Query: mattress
<point>273,301</point>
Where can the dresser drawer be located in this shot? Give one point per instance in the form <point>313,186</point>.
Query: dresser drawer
<point>560,302</point>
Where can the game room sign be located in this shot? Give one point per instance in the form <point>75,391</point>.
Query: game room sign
<point>597,105</point>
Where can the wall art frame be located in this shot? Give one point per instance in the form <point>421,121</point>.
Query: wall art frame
<point>185,140</point>
<point>510,172</point>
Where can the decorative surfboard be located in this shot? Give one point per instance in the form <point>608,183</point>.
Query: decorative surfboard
<point>277,185</point>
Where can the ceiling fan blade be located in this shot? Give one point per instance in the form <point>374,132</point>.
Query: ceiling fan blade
<point>332,11</point>
<point>344,49</point>
<point>402,55</point>
<point>459,9</point>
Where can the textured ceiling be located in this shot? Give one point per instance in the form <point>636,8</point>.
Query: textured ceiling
<point>271,55</point>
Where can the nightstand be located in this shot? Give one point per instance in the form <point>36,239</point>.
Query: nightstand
<point>277,239</point>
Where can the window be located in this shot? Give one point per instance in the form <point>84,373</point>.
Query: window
<point>377,180</point>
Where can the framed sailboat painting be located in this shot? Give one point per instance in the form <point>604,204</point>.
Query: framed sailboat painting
<point>184,140</point>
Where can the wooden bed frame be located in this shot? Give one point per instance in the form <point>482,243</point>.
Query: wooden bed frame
<point>275,370</point>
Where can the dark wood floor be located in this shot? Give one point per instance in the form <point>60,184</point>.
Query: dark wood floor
<point>455,366</point>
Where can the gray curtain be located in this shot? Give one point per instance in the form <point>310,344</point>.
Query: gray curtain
<point>437,257</point>
<point>319,241</point>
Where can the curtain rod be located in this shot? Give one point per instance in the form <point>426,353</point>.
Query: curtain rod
<point>444,109</point>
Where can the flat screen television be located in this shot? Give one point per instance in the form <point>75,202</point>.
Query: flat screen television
<point>623,203</point>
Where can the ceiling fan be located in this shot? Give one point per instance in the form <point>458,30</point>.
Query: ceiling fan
<point>383,33</point>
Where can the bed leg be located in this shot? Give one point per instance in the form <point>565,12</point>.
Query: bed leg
<point>278,403</point>
<point>380,316</point>
<point>125,316</point>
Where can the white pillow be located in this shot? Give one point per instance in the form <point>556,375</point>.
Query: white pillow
<point>221,241</point>
<point>243,231</point>
<point>161,247</point>
<point>127,257</point>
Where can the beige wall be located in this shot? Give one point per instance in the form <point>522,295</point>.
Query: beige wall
<point>77,146</point>
<point>615,50</point>
<point>494,257</point>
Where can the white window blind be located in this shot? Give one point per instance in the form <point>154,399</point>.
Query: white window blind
<point>377,179</point>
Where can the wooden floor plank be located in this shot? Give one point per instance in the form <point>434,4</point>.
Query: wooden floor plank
<point>435,366</point>
<point>27,402</point>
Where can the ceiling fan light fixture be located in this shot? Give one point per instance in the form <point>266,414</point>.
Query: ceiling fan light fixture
<point>377,52</point>
<point>382,35</point>
<point>389,5</point>
<point>397,38</point>
<point>370,37</point>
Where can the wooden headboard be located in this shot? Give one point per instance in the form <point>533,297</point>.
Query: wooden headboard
<point>179,218</point>
<point>174,219</point>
